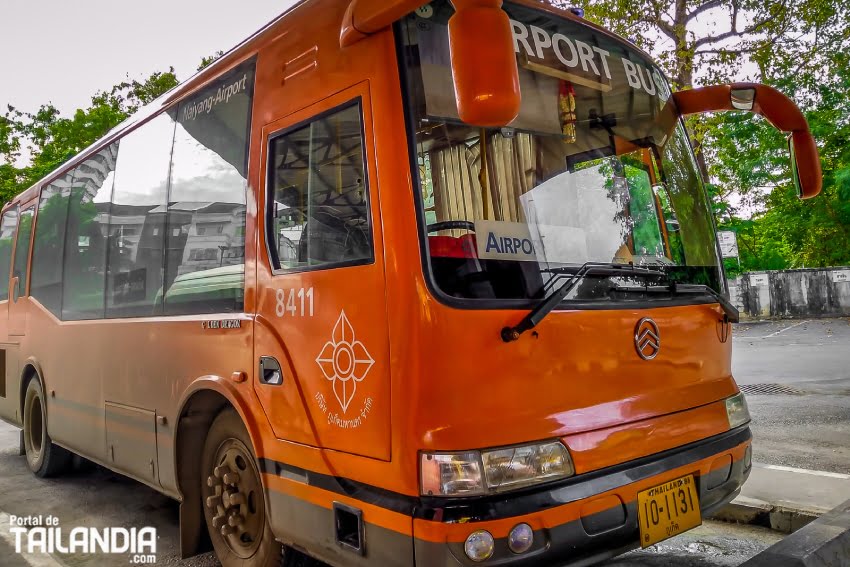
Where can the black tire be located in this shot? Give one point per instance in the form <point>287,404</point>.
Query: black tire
<point>238,498</point>
<point>44,458</point>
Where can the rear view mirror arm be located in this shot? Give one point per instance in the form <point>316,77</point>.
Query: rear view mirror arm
<point>777,108</point>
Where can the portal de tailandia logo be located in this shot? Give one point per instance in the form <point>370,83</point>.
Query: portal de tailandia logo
<point>344,361</point>
<point>39,536</point>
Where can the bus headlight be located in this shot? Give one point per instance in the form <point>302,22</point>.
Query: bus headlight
<point>737,411</point>
<point>473,473</point>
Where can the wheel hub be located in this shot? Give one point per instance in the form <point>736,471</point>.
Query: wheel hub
<point>235,498</point>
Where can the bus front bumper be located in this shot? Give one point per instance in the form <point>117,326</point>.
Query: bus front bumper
<point>585,519</point>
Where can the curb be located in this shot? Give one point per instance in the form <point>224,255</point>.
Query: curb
<point>782,517</point>
<point>823,543</point>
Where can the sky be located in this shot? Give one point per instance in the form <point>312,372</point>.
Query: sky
<point>64,51</point>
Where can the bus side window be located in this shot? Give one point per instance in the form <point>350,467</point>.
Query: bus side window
<point>319,204</point>
<point>85,241</point>
<point>22,250</point>
<point>137,221</point>
<point>7,239</point>
<point>49,244</point>
<point>205,241</point>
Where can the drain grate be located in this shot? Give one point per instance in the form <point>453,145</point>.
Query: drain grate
<point>769,390</point>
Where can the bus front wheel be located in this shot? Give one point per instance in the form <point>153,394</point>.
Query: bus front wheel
<point>233,497</point>
<point>43,457</point>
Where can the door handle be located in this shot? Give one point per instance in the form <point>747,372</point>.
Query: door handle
<point>16,282</point>
<point>270,371</point>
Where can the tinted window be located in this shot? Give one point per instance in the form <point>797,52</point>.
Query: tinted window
<point>8,224</point>
<point>22,250</point>
<point>86,236</point>
<point>137,221</point>
<point>205,262</point>
<point>319,202</point>
<point>49,246</point>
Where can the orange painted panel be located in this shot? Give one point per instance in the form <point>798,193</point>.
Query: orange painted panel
<point>328,327</point>
<point>606,447</point>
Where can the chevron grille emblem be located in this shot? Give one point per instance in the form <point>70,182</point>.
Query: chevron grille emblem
<point>647,339</point>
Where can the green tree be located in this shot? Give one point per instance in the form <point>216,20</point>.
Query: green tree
<point>716,35</point>
<point>209,60</point>
<point>750,158</point>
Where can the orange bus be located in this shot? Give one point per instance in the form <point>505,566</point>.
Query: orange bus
<point>393,283</point>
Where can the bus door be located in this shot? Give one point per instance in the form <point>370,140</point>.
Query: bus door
<point>321,341</point>
<point>18,302</point>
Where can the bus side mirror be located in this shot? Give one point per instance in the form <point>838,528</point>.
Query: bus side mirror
<point>805,164</point>
<point>778,109</point>
<point>484,65</point>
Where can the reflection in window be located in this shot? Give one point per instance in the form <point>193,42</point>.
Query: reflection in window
<point>7,240</point>
<point>46,282</point>
<point>206,205</point>
<point>137,219</point>
<point>320,202</point>
<point>596,167</point>
<point>22,250</point>
<point>698,241</point>
<point>87,236</point>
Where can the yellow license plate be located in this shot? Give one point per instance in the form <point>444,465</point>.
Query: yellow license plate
<point>667,510</point>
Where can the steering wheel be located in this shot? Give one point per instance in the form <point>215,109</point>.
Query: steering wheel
<point>451,225</point>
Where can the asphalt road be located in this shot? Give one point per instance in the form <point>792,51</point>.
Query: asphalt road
<point>792,352</point>
<point>806,424</point>
<point>89,496</point>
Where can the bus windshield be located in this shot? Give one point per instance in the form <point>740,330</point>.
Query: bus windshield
<point>596,167</point>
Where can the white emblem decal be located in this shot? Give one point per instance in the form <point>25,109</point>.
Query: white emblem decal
<point>344,361</point>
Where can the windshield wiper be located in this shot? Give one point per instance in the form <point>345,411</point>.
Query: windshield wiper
<point>731,313</point>
<point>546,306</point>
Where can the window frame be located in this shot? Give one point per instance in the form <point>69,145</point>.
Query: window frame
<point>268,220</point>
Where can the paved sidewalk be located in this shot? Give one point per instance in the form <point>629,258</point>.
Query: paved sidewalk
<point>786,498</point>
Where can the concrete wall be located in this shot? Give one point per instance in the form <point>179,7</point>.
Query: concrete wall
<point>816,292</point>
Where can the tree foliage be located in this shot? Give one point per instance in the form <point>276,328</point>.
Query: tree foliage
<point>750,160</point>
<point>209,60</point>
<point>716,36</point>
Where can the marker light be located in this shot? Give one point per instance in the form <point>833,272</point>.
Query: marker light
<point>737,411</point>
<point>452,474</point>
<point>473,473</point>
<point>521,538</point>
<point>479,545</point>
